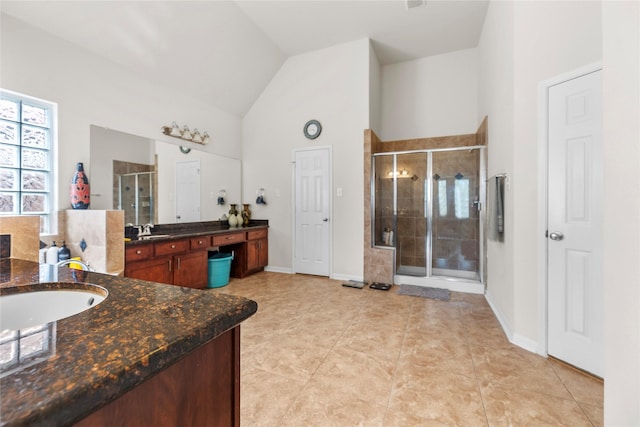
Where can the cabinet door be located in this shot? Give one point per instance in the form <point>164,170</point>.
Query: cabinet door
<point>191,269</point>
<point>154,270</point>
<point>257,254</point>
<point>253,254</point>
<point>264,252</point>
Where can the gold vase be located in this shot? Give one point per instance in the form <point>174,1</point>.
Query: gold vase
<point>246,214</point>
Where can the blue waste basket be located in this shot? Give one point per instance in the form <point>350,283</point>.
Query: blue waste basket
<point>219,269</point>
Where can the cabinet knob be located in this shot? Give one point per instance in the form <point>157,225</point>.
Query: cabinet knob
<point>138,252</point>
<point>173,246</point>
<point>199,242</point>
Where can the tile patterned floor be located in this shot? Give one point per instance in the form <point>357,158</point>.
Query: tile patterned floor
<point>320,354</point>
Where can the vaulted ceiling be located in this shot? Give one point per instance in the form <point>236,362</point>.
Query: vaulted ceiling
<point>226,52</point>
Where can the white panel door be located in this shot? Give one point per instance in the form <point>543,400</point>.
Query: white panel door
<point>312,210</point>
<point>188,191</point>
<point>575,236</point>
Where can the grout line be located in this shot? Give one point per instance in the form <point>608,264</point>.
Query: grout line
<point>295,399</point>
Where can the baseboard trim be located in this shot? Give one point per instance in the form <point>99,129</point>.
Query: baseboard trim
<point>283,270</point>
<point>514,338</point>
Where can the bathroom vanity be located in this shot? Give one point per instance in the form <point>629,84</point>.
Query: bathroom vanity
<point>148,354</point>
<point>178,255</point>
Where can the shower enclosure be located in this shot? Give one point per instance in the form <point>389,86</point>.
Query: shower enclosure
<point>428,206</point>
<point>135,197</point>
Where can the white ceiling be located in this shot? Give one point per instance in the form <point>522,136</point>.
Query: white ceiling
<point>226,52</point>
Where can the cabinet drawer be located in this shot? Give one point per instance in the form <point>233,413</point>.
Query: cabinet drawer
<point>257,234</point>
<point>228,239</point>
<point>175,247</point>
<point>139,252</point>
<point>202,242</point>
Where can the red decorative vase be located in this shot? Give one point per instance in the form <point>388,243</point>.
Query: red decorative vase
<point>80,195</point>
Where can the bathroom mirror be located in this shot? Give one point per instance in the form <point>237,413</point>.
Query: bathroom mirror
<point>138,175</point>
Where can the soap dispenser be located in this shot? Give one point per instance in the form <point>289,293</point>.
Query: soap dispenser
<point>52,254</point>
<point>64,252</point>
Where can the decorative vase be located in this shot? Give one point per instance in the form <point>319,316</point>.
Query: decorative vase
<point>246,214</point>
<point>80,194</point>
<point>233,219</point>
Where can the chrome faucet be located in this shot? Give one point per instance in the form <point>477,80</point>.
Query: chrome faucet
<point>64,262</point>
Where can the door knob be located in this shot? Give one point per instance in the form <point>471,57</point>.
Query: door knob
<point>556,236</point>
<point>325,219</point>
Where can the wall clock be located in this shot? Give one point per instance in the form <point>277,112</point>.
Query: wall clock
<point>312,129</point>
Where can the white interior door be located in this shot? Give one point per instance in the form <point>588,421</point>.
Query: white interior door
<point>188,191</point>
<point>312,196</point>
<point>575,236</point>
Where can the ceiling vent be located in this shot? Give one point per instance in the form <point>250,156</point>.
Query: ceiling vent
<point>414,3</point>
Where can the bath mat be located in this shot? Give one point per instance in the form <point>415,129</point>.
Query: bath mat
<point>424,292</point>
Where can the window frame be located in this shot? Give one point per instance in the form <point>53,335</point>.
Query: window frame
<point>48,219</point>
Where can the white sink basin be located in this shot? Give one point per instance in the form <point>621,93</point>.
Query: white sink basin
<point>27,309</point>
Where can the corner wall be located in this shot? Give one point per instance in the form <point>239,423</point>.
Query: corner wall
<point>522,44</point>
<point>621,133</point>
<point>429,97</point>
<point>332,86</point>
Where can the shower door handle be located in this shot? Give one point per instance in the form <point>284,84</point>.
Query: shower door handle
<point>557,236</point>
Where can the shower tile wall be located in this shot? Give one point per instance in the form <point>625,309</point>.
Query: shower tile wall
<point>384,199</point>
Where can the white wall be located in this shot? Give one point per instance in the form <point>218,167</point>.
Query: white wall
<point>495,100</point>
<point>91,90</point>
<point>434,96</point>
<point>375,92</point>
<point>332,86</point>
<point>549,38</point>
<point>621,134</point>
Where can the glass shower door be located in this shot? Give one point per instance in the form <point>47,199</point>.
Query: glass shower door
<point>455,216</point>
<point>411,213</point>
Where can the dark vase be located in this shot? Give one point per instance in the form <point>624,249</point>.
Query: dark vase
<point>80,195</point>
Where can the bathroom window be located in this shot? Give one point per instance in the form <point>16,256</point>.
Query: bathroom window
<point>442,197</point>
<point>27,164</point>
<point>461,197</point>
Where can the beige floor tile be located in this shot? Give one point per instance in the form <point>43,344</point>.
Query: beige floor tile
<point>286,357</point>
<point>265,397</point>
<point>594,413</point>
<point>582,387</point>
<point>460,418</point>
<point>352,374</point>
<point>320,354</point>
<point>516,369</point>
<point>315,407</point>
<point>509,407</point>
<point>435,394</point>
<point>379,340</point>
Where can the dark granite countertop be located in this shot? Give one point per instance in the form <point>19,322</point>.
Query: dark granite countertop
<point>195,229</point>
<point>95,356</point>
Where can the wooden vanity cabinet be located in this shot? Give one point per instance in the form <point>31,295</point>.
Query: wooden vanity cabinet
<point>183,262</point>
<point>172,262</point>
